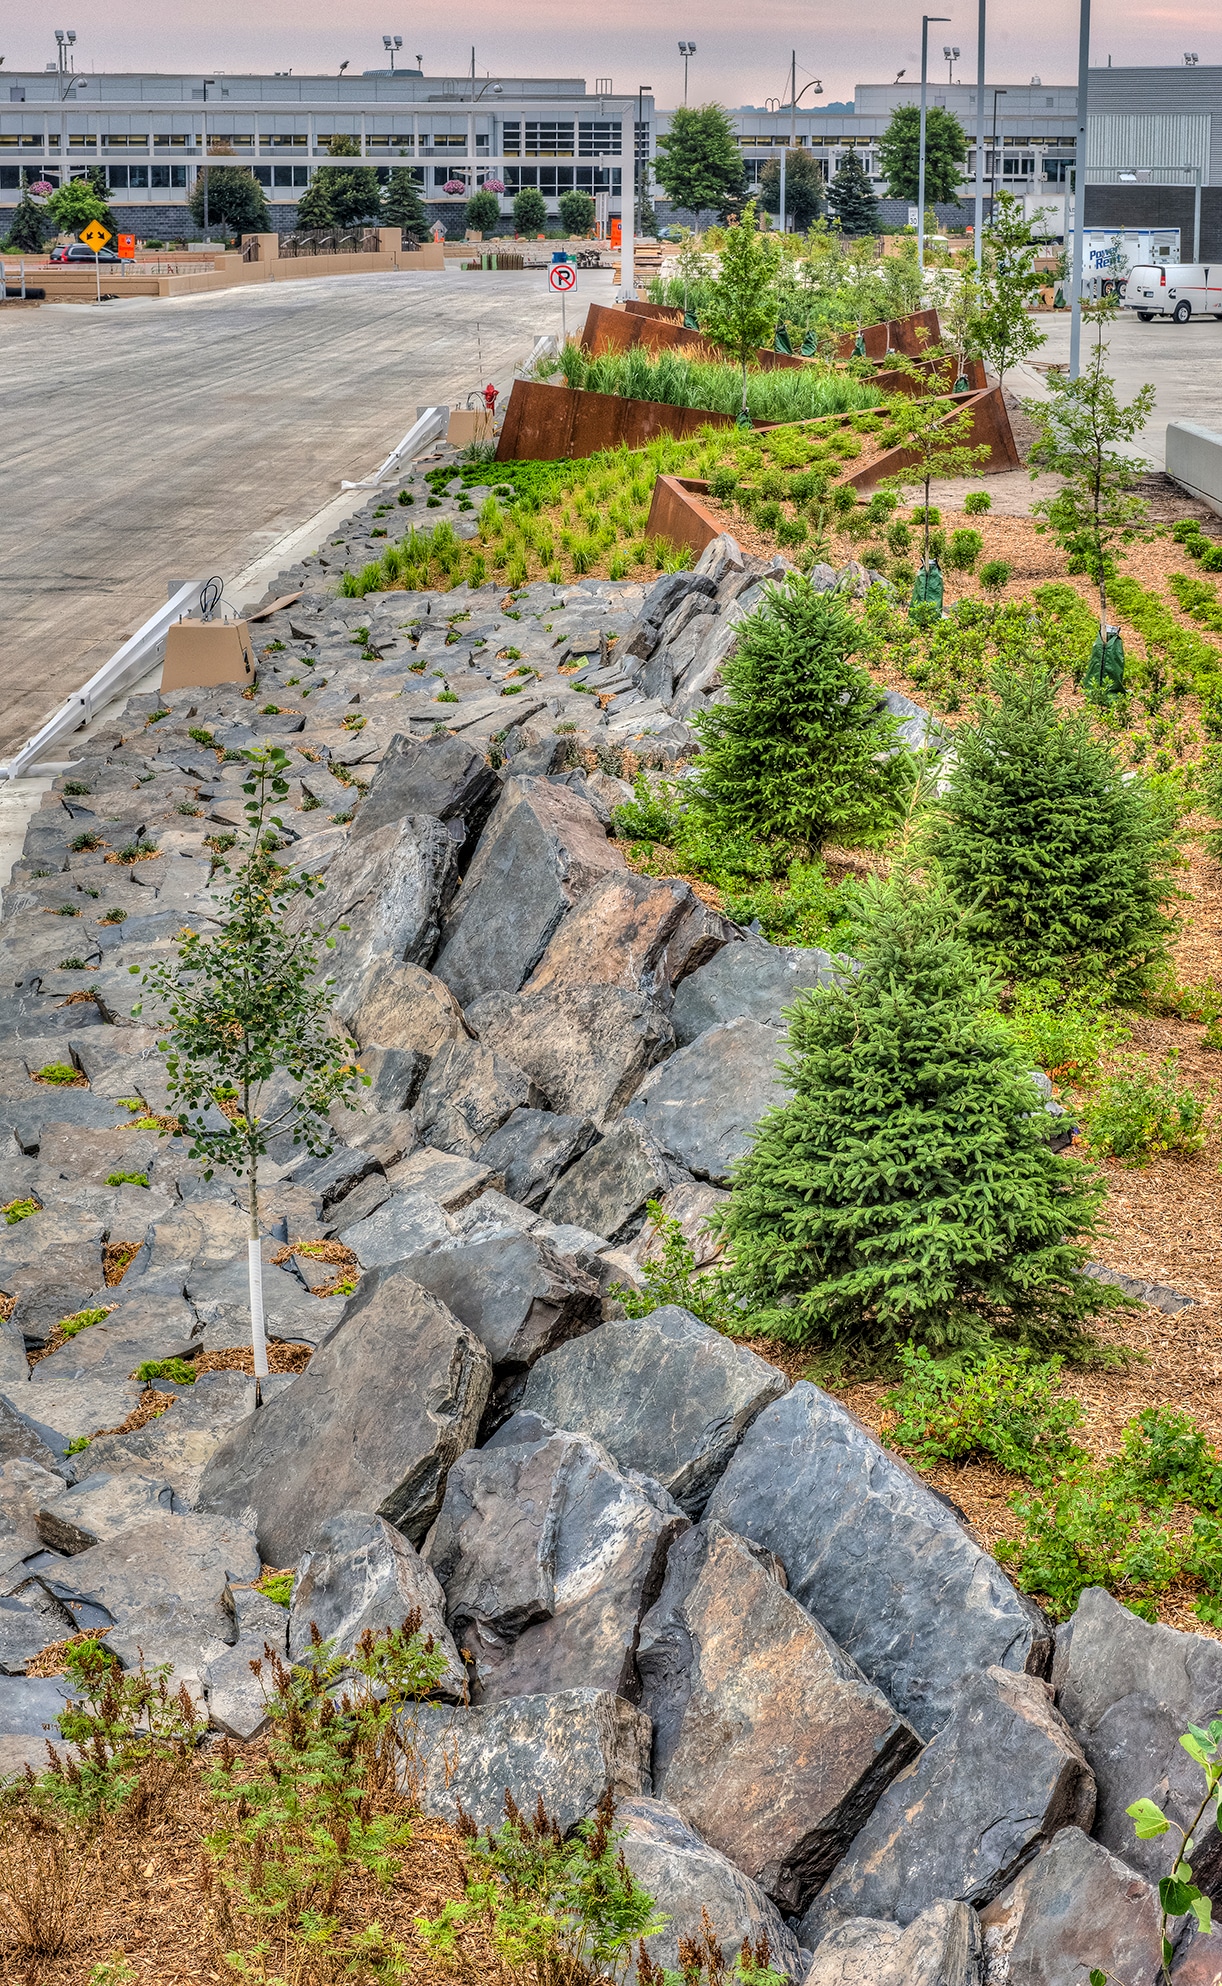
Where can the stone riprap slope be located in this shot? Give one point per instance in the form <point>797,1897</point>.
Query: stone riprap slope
<point>650,1562</point>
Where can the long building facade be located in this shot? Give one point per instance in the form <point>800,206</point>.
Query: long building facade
<point>1151,132</point>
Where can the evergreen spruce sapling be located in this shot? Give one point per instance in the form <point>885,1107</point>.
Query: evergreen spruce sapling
<point>314,208</point>
<point>800,751</point>
<point>740,312</point>
<point>851,199</point>
<point>249,1024</point>
<point>29,226</point>
<point>403,208</point>
<point>1096,510</point>
<point>908,1192</point>
<point>1064,855</point>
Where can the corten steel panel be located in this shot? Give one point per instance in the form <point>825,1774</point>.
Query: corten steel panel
<point>669,313</point>
<point>990,426</point>
<point>612,328</point>
<point>549,423</point>
<point>931,374</point>
<point>896,334</point>
<point>677,514</point>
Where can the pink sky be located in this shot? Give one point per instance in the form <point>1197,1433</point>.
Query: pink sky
<point>546,37</point>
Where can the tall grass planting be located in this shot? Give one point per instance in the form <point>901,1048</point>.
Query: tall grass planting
<point>787,394</point>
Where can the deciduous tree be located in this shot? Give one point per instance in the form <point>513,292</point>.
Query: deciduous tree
<point>899,151</point>
<point>698,163</point>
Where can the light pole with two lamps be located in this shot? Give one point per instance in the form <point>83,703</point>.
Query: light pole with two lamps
<point>392,43</point>
<point>816,85</point>
<point>686,49</point>
<point>925,20</point>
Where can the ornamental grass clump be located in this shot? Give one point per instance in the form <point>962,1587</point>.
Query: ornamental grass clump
<point>908,1190</point>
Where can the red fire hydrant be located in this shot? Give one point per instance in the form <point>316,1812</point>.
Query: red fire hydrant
<point>490,398</point>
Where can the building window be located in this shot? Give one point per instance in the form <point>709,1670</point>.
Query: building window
<point>171,140</point>
<point>116,176</point>
<point>10,179</point>
<point>600,135</point>
<point>82,141</point>
<point>278,140</point>
<point>25,144</point>
<point>511,140</point>
<point>1017,166</point>
<point>262,173</point>
<point>550,140</point>
<point>1058,171</point>
<point>113,139</point>
<point>289,175</point>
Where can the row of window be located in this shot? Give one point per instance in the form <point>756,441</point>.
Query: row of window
<point>551,180</point>
<point>535,138</point>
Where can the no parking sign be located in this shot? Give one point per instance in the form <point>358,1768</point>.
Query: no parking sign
<point>563,277</point>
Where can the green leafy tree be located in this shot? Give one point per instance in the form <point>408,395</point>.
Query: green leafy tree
<point>1084,435</point>
<point>314,209</point>
<point>899,151</point>
<point>236,202</point>
<point>1178,1895</point>
<point>1004,332</point>
<point>740,308</point>
<point>483,211</point>
<point>851,199</point>
<point>28,228</point>
<point>249,1025</point>
<point>1065,857</point>
<point>529,211</point>
<point>799,752</point>
<point>73,205</point>
<point>908,1191</point>
<point>576,211</point>
<point>698,163</point>
<point>936,439</point>
<point>803,188</point>
<point>403,207</point>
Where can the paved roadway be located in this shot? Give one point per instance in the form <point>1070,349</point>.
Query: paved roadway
<point>1183,362</point>
<point>151,439</point>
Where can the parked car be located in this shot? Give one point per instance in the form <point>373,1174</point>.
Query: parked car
<point>1178,290</point>
<point>76,251</point>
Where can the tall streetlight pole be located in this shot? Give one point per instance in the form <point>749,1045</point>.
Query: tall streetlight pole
<point>980,135</point>
<point>925,20</point>
<point>686,49</point>
<point>207,84</point>
<point>1079,203</point>
<point>65,41</point>
<point>998,147</point>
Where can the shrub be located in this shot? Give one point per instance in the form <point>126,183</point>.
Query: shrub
<point>118,1725</point>
<point>1142,1113</point>
<point>799,751</point>
<point>1065,1034</point>
<point>675,1278</point>
<point>648,816</point>
<point>977,502</point>
<point>576,211</point>
<point>963,549</point>
<point>1065,859</point>
<point>529,211</point>
<point>483,212</point>
<point>908,1190</point>
<point>1001,1403</point>
<point>995,575</point>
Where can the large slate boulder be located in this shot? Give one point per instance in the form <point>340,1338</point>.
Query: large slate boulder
<point>28,1624</point>
<point>138,1328</point>
<point>238,1698</point>
<point>1127,1688</point>
<point>609,1185</point>
<point>689,1878</point>
<point>566,1750</point>
<point>407,1008</point>
<point>390,888</point>
<point>532,1149</point>
<point>402,1226</point>
<point>165,1585</point>
<point>1075,1909</point>
<point>768,1740</point>
<point>702,1106</point>
<point>941,1947</point>
<point>514,1292</point>
<point>585,1047</point>
<point>98,1508</point>
<point>752,981</point>
<point>359,1575</point>
<point>176,1446</point>
<point>987,1793</point>
<point>638,932</point>
<point>880,1560</point>
<point>467,1094</point>
<point>441,776</point>
<point>664,1394</point>
<point>542,849</point>
<point>392,1395</point>
<point>549,1555</point>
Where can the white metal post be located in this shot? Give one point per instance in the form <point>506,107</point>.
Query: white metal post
<point>97,272</point>
<point>980,136</point>
<point>628,234</point>
<point>925,20</point>
<point>1079,204</point>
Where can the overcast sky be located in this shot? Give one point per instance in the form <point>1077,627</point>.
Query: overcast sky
<point>635,43</point>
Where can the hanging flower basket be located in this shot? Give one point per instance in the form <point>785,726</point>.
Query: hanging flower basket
<point>492,185</point>
<point>455,186</point>
<point>42,187</point>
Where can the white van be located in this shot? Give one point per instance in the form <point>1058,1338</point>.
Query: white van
<point>1178,290</point>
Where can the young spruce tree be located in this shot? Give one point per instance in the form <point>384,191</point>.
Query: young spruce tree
<point>1065,858</point>
<point>249,1026</point>
<point>908,1191</point>
<point>801,752</point>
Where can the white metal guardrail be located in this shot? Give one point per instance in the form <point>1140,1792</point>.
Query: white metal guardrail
<point>430,424</point>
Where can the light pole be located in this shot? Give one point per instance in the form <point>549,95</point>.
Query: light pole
<point>794,100</point>
<point>925,20</point>
<point>1079,191</point>
<point>65,41</point>
<point>686,49</point>
<point>390,43</point>
<point>980,135</point>
<point>997,147</point>
<point>951,56</point>
<point>1196,212</point>
<point>208,82</point>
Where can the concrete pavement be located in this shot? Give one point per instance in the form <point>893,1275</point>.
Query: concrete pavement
<point>1183,362</point>
<point>155,439</point>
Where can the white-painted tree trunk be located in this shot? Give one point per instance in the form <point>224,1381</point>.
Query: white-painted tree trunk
<point>254,1257</point>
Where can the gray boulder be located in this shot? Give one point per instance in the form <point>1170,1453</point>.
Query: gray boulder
<point>390,888</point>
<point>1127,1688</point>
<point>467,1094</point>
<point>29,1706</point>
<point>513,1291</point>
<point>880,1560</point>
<point>392,1395</point>
<point>138,1328</point>
<point>702,1106</point>
<point>403,1226</point>
<point>767,1739</point>
<point>542,849</point>
<point>941,1947</point>
<point>532,1149</point>
<point>1074,1909</point>
<point>176,1446</point>
<point>608,1187</point>
<point>688,1878</point>
<point>65,1410</point>
<point>585,1047</point>
<point>549,1556</point>
<point>664,1394</point>
<point>638,932</point>
<point>165,1585</point>
<point>237,1697</point>
<point>406,1008</point>
<point>98,1508</point>
<point>28,1624</point>
<point>441,776</point>
<point>21,1441</point>
<point>987,1793</point>
<point>752,981</point>
<point>566,1750</point>
<point>40,1307</point>
<point>361,1574</point>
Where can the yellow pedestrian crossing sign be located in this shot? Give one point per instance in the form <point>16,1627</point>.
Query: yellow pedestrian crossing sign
<point>95,236</point>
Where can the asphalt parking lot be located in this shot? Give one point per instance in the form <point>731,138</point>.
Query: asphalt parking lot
<point>1183,362</point>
